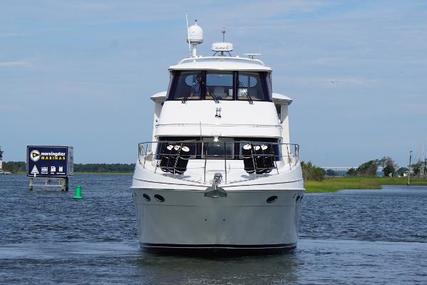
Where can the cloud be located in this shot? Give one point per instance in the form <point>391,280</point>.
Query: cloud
<point>16,63</point>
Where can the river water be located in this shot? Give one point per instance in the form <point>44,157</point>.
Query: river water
<point>349,237</point>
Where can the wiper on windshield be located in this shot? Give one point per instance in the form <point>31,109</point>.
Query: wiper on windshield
<point>249,98</point>
<point>215,98</point>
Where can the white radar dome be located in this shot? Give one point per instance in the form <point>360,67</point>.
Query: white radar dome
<point>222,47</point>
<point>195,34</point>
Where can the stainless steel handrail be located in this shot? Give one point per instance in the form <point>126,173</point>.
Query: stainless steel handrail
<point>146,149</point>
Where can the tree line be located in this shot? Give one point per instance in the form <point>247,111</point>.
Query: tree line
<point>309,170</point>
<point>384,166</point>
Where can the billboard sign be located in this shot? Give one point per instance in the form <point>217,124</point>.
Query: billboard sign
<point>49,161</point>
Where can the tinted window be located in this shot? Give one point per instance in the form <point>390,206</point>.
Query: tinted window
<point>219,149</point>
<point>187,84</point>
<point>216,85</point>
<point>210,149</point>
<point>252,86</point>
<point>219,86</point>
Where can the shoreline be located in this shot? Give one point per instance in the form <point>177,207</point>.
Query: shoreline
<point>335,184</point>
<point>328,185</point>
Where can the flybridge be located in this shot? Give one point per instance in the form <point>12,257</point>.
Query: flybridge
<point>221,63</point>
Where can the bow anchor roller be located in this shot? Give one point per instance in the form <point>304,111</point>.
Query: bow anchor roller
<point>215,191</point>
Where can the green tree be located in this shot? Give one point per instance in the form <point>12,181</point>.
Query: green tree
<point>14,166</point>
<point>389,170</point>
<point>352,172</point>
<point>368,168</point>
<point>312,172</point>
<point>389,167</point>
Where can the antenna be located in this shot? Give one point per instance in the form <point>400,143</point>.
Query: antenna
<point>222,47</point>
<point>252,55</point>
<point>188,35</point>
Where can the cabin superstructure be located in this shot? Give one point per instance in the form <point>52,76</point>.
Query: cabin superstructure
<point>221,96</point>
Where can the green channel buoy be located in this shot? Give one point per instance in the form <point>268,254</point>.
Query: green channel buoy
<point>78,193</point>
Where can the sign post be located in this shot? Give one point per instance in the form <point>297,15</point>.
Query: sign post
<point>49,164</point>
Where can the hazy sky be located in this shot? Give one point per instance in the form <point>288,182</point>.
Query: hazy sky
<point>80,72</point>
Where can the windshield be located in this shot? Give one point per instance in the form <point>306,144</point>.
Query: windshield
<point>220,85</point>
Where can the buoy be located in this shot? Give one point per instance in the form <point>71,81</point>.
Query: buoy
<point>78,193</point>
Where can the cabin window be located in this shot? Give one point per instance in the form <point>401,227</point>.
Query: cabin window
<point>252,86</point>
<point>186,85</point>
<point>219,85</point>
<point>211,148</point>
<point>221,148</point>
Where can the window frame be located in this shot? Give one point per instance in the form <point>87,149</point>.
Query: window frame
<point>264,76</point>
<point>199,150</point>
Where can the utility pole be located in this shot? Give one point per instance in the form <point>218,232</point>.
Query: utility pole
<point>409,167</point>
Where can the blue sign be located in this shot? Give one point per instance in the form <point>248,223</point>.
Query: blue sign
<point>49,161</point>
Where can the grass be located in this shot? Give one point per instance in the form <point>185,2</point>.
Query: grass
<point>338,183</point>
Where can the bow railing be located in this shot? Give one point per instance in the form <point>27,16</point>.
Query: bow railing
<point>259,157</point>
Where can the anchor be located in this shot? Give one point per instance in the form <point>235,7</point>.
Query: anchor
<point>215,191</point>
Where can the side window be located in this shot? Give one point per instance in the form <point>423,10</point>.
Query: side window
<point>219,86</point>
<point>250,87</point>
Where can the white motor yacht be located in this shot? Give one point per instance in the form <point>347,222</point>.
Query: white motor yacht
<point>220,172</point>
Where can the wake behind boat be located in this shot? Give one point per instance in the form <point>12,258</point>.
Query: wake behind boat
<point>220,172</point>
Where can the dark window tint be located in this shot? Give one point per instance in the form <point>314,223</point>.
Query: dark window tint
<point>219,149</point>
<point>219,86</point>
<point>252,86</point>
<point>211,149</point>
<point>216,85</point>
<point>186,85</point>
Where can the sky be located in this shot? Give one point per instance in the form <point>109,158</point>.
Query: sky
<point>80,72</point>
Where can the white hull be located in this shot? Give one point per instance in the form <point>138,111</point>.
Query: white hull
<point>242,220</point>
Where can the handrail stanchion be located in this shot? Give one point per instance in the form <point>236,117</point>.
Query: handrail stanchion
<point>225,162</point>
<point>204,168</point>
<point>289,156</point>
<point>139,153</point>
<point>252,155</point>
<point>145,154</point>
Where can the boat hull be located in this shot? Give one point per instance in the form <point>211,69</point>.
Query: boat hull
<point>188,220</point>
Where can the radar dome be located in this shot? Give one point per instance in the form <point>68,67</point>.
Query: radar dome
<point>195,34</point>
